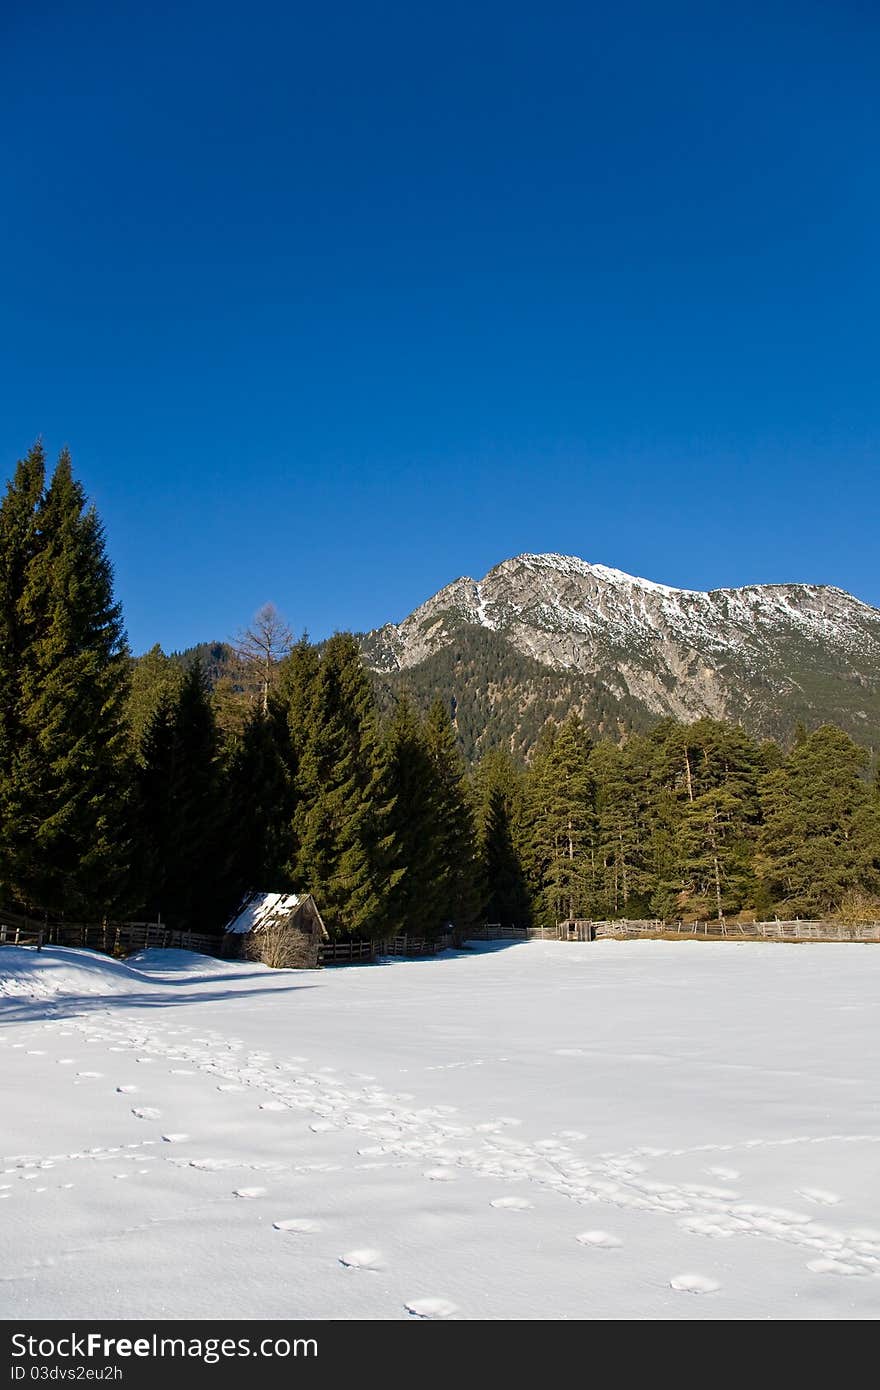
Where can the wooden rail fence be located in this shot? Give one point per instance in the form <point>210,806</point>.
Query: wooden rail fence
<point>347,952</point>
<point>123,938</point>
<point>796,929</point>
<point>414,945</point>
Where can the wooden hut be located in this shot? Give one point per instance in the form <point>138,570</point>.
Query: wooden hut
<point>284,930</point>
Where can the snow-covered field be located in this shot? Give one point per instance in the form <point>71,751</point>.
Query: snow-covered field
<point>617,1130</point>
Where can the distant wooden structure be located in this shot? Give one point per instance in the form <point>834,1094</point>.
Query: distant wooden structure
<point>284,929</point>
<point>577,929</point>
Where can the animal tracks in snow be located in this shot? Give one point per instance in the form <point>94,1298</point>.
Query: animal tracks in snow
<point>831,1266</point>
<point>599,1240</point>
<point>446,1144</point>
<point>818,1195</point>
<point>363,1259</point>
<point>694,1283</point>
<point>432,1308</point>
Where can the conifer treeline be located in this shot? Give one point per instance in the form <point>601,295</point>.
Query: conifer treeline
<point>135,789</point>
<point>690,819</point>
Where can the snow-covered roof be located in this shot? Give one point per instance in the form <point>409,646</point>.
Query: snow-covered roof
<point>261,908</point>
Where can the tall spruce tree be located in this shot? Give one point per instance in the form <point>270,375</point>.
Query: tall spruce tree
<point>181,811</point>
<point>154,675</point>
<point>419,900</point>
<point>820,837</point>
<point>65,834</point>
<point>563,813</point>
<point>501,814</point>
<point>719,817</point>
<point>456,829</point>
<point>623,880</point>
<point>18,545</point>
<point>345,850</point>
<point>260,802</point>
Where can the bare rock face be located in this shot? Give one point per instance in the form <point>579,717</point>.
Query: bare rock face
<point>673,651</point>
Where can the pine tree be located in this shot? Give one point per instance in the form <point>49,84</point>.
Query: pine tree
<point>345,851</point>
<point>455,825</point>
<point>154,675</point>
<point>181,811</point>
<point>18,545</point>
<point>501,815</point>
<point>419,900</point>
<point>623,881</point>
<point>66,833</point>
<point>819,837</point>
<point>719,816</point>
<point>563,802</point>
<point>157,817</point>
<point>259,803</point>
<point>297,679</point>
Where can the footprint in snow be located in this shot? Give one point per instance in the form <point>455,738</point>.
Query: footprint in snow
<point>693,1283</point>
<point>363,1259</point>
<point>439,1175</point>
<point>88,1075</point>
<point>250,1192</point>
<point>599,1240</point>
<point>322,1126</point>
<point>126,1090</point>
<point>819,1196</point>
<point>146,1112</point>
<point>175,1138</point>
<point>273,1105</point>
<point>511,1204</point>
<point>833,1267</point>
<point>431,1308</point>
<point>297,1225</point>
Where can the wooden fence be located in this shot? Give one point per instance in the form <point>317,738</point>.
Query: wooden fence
<point>414,945</point>
<point>123,938</point>
<point>347,952</point>
<point>796,929</point>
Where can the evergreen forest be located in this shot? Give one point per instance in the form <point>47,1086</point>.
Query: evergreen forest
<point>161,787</point>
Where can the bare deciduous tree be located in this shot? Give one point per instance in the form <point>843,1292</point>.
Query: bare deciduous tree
<point>282,947</point>
<point>262,645</point>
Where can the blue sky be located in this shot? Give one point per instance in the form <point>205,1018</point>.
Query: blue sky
<point>335,303</point>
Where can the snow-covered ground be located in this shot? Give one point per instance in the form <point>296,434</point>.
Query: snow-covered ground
<point>617,1130</point>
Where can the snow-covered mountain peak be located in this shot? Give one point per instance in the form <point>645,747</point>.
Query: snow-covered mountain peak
<point>571,564</point>
<point>673,651</point>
